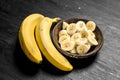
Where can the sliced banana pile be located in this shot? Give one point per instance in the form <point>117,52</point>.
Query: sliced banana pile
<point>77,37</point>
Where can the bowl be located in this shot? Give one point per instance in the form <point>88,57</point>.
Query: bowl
<point>93,50</point>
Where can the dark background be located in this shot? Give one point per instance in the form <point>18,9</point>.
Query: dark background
<point>15,66</point>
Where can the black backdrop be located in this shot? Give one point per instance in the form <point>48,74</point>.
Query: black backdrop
<point>15,66</point>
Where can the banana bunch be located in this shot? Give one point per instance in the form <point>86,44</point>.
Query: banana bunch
<point>77,37</point>
<point>34,38</point>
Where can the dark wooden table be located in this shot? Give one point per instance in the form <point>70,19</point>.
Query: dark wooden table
<point>15,66</point>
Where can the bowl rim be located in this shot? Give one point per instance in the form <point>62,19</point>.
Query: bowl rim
<point>67,54</point>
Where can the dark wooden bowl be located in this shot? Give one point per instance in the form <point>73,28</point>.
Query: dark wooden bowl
<point>93,50</point>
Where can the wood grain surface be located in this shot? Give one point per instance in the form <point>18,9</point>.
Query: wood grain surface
<point>15,66</point>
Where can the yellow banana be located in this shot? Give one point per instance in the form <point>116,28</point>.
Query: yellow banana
<point>47,47</point>
<point>27,39</point>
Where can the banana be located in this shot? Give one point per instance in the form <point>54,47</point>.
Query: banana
<point>81,41</point>
<point>81,26</point>
<point>71,29</point>
<point>92,40</point>
<point>82,49</point>
<point>63,32</point>
<point>91,36</point>
<point>91,25</point>
<point>75,36</point>
<point>67,45</point>
<point>64,38</point>
<point>84,33</point>
<point>88,44</point>
<point>90,33</point>
<point>27,39</point>
<point>65,25</point>
<point>73,50</point>
<point>50,52</point>
<point>81,37</point>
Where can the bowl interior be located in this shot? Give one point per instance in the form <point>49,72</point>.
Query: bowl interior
<point>93,50</point>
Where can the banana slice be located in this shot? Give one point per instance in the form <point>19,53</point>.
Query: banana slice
<point>63,33</point>
<point>88,45</point>
<point>81,26</point>
<point>92,40</point>
<point>90,33</point>
<point>64,38</point>
<point>84,33</point>
<point>81,41</point>
<point>75,36</point>
<point>91,25</point>
<point>65,25</point>
<point>73,50</point>
<point>71,29</point>
<point>67,45</point>
<point>82,49</point>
